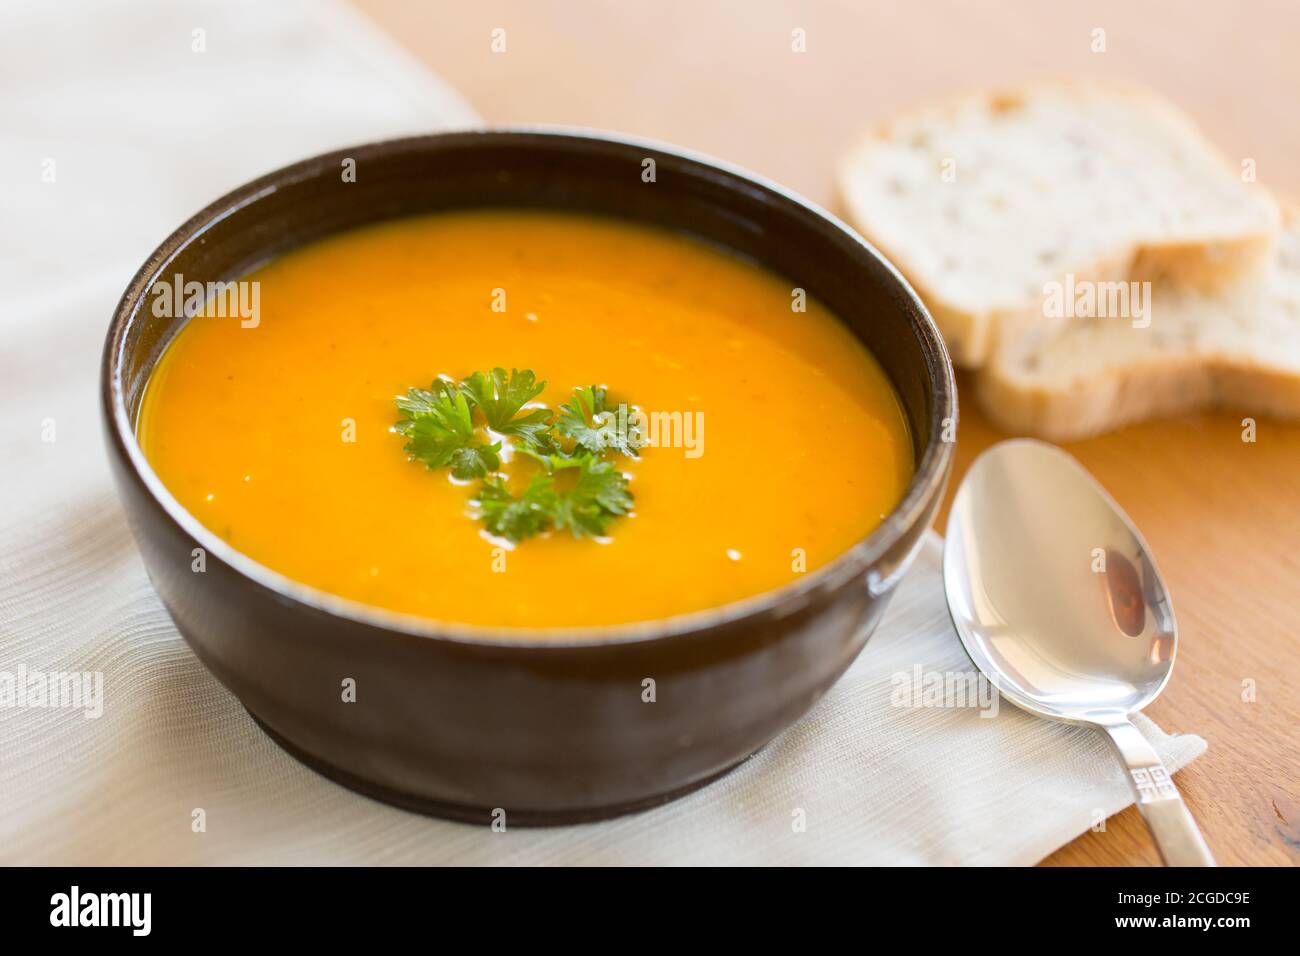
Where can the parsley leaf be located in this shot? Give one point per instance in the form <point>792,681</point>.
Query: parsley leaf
<point>589,421</point>
<point>501,399</point>
<point>599,496</point>
<point>439,428</point>
<point>517,518</point>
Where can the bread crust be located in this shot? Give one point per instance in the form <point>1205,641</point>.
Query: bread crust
<point>1141,388</point>
<point>1174,385</point>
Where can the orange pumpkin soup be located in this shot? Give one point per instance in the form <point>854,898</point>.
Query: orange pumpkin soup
<point>278,434</point>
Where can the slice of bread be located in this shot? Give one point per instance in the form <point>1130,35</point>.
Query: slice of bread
<point>983,202</point>
<point>1238,349</point>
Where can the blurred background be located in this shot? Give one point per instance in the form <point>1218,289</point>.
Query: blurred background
<point>720,75</point>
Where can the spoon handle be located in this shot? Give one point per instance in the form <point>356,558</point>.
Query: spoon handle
<point>1177,837</point>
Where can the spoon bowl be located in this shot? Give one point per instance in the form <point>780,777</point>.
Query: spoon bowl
<point>1059,603</point>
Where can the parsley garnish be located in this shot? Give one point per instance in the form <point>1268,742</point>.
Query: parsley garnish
<point>502,398</point>
<point>599,496</point>
<point>575,487</point>
<point>439,427</point>
<point>592,424</point>
<point>517,518</point>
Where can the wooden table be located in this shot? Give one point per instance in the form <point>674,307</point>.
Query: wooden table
<point>1223,516</point>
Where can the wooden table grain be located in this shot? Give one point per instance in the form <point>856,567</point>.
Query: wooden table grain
<point>1222,515</point>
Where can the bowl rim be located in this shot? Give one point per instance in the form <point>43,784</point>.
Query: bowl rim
<point>927,481</point>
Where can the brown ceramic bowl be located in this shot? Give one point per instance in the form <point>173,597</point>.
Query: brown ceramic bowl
<point>458,720</point>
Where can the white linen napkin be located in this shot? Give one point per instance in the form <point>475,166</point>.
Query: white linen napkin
<point>118,128</point>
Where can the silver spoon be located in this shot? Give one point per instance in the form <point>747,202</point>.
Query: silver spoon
<point>1058,602</point>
